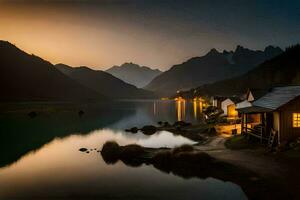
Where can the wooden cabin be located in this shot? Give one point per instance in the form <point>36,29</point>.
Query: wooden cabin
<point>279,112</point>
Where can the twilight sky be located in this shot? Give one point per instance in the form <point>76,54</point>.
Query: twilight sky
<point>155,33</point>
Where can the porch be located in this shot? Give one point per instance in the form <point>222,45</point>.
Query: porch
<point>256,122</point>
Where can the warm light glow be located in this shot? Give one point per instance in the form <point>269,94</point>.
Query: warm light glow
<point>180,108</point>
<point>200,106</point>
<point>296,120</point>
<point>164,98</point>
<point>231,111</point>
<point>195,108</point>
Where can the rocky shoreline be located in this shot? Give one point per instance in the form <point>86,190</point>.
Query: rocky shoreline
<point>196,133</point>
<point>187,162</point>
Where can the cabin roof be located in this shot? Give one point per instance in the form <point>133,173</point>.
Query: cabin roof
<point>278,97</point>
<point>253,109</point>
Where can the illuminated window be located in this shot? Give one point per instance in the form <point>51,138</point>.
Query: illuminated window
<point>296,120</point>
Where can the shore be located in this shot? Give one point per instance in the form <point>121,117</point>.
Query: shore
<point>261,174</point>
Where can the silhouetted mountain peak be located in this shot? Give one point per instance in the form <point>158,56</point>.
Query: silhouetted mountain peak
<point>209,68</point>
<point>242,50</point>
<point>134,74</point>
<point>213,52</point>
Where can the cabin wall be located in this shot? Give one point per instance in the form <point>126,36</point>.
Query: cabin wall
<point>231,111</point>
<point>225,104</point>
<point>287,131</point>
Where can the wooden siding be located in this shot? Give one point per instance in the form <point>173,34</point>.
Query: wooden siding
<point>287,131</point>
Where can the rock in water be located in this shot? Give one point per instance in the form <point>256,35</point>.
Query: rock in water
<point>149,130</point>
<point>132,130</point>
<point>83,149</point>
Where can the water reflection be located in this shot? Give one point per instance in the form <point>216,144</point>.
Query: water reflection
<point>39,157</point>
<point>180,109</point>
<point>184,112</point>
<point>60,171</point>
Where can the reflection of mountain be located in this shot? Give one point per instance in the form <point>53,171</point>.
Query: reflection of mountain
<point>21,134</point>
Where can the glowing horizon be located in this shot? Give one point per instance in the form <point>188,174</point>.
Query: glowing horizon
<point>158,35</point>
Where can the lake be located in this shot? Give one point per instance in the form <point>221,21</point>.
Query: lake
<point>40,158</point>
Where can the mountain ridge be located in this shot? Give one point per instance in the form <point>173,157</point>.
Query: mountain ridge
<point>103,82</point>
<point>25,77</point>
<point>209,68</point>
<point>134,74</point>
<point>282,70</point>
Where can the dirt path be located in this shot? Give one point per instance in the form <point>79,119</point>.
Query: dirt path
<point>257,160</point>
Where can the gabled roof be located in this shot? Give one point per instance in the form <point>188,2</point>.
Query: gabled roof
<point>277,97</point>
<point>257,93</point>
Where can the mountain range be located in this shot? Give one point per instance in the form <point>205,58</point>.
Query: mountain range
<point>282,70</point>
<point>103,83</point>
<point>134,74</point>
<point>25,77</point>
<point>213,66</point>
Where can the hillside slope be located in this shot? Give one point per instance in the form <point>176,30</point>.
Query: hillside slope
<point>25,77</point>
<point>282,70</point>
<point>104,83</point>
<point>214,66</point>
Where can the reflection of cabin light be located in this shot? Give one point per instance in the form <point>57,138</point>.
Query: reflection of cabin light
<point>195,109</point>
<point>201,106</point>
<point>164,98</point>
<point>154,108</point>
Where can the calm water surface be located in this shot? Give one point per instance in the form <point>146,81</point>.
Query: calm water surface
<point>40,157</point>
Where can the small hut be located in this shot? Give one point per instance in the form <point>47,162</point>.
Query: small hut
<point>279,112</point>
<point>229,106</point>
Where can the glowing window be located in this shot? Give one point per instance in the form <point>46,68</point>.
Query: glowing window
<point>296,120</point>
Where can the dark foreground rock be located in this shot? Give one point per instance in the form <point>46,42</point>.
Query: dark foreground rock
<point>185,129</point>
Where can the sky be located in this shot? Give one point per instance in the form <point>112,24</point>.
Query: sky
<point>154,33</point>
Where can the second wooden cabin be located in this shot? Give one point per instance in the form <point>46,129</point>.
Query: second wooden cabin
<point>279,112</point>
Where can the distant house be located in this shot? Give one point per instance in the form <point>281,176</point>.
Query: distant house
<point>217,100</point>
<point>250,96</point>
<point>279,112</point>
<point>254,94</point>
<point>229,106</point>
